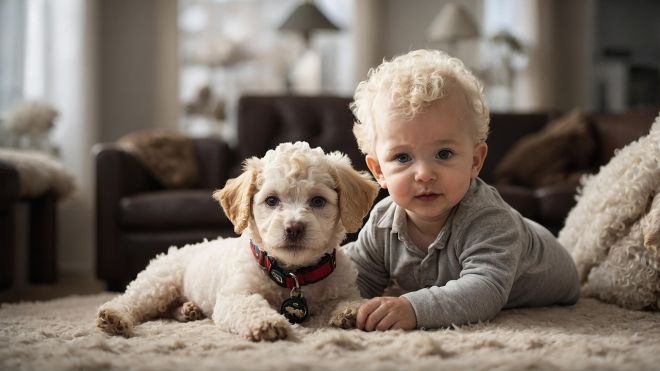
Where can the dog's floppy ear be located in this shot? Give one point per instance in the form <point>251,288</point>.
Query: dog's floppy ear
<point>356,192</point>
<point>236,196</point>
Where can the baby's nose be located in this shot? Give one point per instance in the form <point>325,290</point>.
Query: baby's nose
<point>424,172</point>
<point>294,230</point>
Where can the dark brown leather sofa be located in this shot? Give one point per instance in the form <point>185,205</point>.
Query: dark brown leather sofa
<point>549,205</point>
<point>137,219</point>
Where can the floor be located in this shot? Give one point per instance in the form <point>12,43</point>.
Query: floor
<point>68,284</point>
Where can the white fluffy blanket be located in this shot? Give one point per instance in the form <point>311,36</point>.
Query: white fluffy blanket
<point>613,233</point>
<point>62,335</point>
<point>39,173</point>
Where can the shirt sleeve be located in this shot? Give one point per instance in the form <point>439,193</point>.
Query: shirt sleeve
<point>368,254</point>
<point>489,253</point>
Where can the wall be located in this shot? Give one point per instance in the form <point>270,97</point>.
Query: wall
<point>138,66</point>
<point>125,79</point>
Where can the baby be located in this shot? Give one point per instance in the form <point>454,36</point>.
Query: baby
<point>443,235</point>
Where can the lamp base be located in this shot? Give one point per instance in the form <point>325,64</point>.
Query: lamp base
<point>305,76</point>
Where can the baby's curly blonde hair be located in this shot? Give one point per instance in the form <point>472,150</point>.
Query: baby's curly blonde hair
<point>414,81</point>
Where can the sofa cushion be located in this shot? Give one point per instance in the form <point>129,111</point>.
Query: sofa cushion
<point>562,151</point>
<point>172,209</point>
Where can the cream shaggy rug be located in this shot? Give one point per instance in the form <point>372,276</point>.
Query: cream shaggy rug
<point>61,335</point>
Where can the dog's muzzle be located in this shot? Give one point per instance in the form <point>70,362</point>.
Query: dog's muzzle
<point>294,231</point>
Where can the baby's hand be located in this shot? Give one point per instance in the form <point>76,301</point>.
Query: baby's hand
<point>386,313</point>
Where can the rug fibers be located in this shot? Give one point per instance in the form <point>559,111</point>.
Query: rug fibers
<point>61,335</point>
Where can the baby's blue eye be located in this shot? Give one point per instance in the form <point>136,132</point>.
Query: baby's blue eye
<point>402,157</point>
<point>444,154</point>
<point>317,202</point>
<point>272,201</point>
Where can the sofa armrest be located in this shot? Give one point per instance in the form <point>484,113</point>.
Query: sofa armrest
<point>118,174</point>
<point>556,201</point>
<point>520,198</point>
<point>9,185</point>
<point>9,193</point>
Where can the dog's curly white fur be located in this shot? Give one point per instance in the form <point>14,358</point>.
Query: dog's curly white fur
<point>613,233</point>
<point>320,194</point>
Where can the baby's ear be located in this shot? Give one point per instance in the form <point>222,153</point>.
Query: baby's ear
<point>356,192</point>
<point>236,196</point>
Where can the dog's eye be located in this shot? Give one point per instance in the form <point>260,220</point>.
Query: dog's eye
<point>272,201</point>
<point>317,201</point>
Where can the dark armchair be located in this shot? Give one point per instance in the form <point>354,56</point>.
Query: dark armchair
<point>137,218</point>
<point>9,193</point>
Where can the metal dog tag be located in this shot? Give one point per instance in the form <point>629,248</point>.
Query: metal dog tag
<point>295,307</point>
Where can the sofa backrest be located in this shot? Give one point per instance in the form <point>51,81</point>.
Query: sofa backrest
<point>266,121</point>
<point>214,159</point>
<point>615,130</point>
<point>505,130</point>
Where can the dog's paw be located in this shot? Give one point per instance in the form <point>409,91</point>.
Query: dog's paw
<point>187,312</point>
<point>345,318</point>
<point>113,322</point>
<point>272,330</point>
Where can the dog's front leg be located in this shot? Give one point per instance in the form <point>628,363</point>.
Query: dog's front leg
<point>251,317</point>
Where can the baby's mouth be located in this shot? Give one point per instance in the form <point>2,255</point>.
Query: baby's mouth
<point>427,196</point>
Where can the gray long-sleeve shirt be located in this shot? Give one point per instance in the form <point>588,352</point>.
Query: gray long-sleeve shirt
<point>485,258</point>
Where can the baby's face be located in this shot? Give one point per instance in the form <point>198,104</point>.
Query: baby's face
<point>426,163</point>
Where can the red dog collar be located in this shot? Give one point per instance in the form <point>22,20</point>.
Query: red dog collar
<point>304,275</point>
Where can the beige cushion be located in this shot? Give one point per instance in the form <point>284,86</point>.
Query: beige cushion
<point>561,152</point>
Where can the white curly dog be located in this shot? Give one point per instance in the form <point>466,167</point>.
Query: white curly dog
<point>613,233</point>
<point>292,208</point>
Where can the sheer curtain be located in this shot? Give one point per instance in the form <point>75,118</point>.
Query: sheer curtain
<point>59,68</point>
<point>12,35</point>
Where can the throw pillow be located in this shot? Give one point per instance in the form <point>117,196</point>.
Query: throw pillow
<point>561,152</point>
<point>169,156</point>
<point>39,173</point>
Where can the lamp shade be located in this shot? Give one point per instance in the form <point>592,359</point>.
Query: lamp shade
<point>451,24</point>
<point>307,18</point>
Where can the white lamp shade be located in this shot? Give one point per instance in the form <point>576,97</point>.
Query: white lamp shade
<point>452,23</point>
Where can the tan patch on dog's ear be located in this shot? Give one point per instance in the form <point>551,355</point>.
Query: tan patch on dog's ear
<point>356,191</point>
<point>236,197</point>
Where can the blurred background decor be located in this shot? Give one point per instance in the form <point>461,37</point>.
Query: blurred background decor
<point>238,47</point>
<point>204,114</point>
<point>28,126</point>
<point>115,67</point>
<point>505,56</point>
<point>305,75</point>
<point>452,25</point>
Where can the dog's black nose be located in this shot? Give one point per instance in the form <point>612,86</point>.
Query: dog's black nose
<point>294,230</point>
